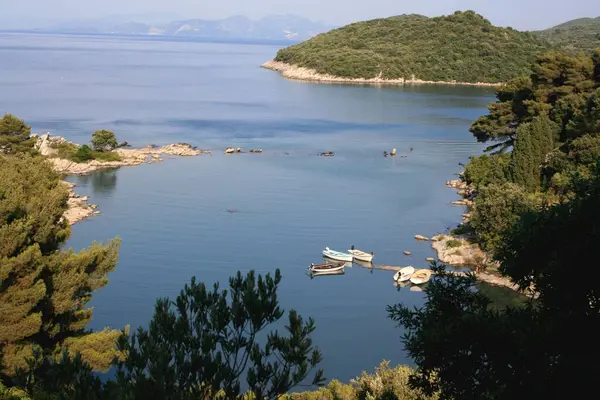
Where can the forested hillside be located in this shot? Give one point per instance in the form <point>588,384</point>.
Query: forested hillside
<point>463,47</point>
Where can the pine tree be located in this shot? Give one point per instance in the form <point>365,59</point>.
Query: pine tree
<point>522,158</point>
<point>534,141</point>
<point>14,136</point>
<point>44,290</point>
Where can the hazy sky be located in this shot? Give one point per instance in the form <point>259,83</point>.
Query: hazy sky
<point>520,14</point>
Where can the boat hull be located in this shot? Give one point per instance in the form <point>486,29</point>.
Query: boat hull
<point>420,277</point>
<point>337,255</point>
<point>361,255</point>
<point>327,268</point>
<point>404,274</point>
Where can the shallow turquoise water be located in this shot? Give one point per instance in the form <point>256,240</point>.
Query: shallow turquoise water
<point>173,216</point>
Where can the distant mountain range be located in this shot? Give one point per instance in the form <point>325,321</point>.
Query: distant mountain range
<point>277,27</point>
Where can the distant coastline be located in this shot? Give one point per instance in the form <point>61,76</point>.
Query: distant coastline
<point>294,72</point>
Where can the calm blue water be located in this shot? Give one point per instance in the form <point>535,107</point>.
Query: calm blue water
<point>173,216</point>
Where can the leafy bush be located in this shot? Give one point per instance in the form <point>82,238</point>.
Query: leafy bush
<point>453,243</point>
<point>463,47</point>
<point>83,154</point>
<point>65,150</point>
<point>487,169</point>
<point>385,383</point>
<point>497,209</point>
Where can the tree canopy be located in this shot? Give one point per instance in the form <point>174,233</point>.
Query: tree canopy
<point>200,346</point>
<point>574,36</point>
<point>104,140</point>
<point>44,289</point>
<point>15,136</point>
<point>462,47</point>
<point>465,348</point>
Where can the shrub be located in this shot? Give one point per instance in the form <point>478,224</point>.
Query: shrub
<point>64,150</point>
<point>462,229</point>
<point>83,154</point>
<point>453,243</point>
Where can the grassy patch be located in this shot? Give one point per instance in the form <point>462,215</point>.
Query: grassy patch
<point>106,156</point>
<point>453,243</point>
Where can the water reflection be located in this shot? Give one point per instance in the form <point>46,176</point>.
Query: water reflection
<point>103,181</point>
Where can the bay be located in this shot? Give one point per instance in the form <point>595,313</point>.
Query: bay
<point>290,203</point>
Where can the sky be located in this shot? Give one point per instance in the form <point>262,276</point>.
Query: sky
<point>519,14</point>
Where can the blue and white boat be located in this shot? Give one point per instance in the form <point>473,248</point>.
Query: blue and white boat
<point>337,255</point>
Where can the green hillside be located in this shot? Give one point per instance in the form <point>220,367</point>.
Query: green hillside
<point>464,47</point>
<point>578,34</point>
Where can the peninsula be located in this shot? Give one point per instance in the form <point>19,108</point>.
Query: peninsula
<point>462,48</point>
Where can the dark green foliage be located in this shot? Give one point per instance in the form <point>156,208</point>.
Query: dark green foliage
<point>574,36</point>
<point>497,208</point>
<point>467,349</point>
<point>462,47</point>
<point>487,169</point>
<point>205,341</point>
<point>557,241</point>
<point>15,136</point>
<point>534,142</point>
<point>65,379</point>
<point>44,290</point>
<point>198,347</point>
<point>104,140</point>
<point>83,154</point>
<point>559,87</point>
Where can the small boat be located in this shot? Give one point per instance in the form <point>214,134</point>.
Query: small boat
<point>337,255</point>
<point>327,268</point>
<point>361,255</point>
<point>420,276</point>
<point>404,274</point>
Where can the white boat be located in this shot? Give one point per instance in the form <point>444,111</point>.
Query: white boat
<point>327,268</point>
<point>420,276</point>
<point>337,255</point>
<point>362,255</point>
<point>404,274</point>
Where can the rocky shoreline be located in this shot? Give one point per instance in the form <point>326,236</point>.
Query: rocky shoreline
<point>461,250</point>
<point>78,207</point>
<point>310,75</point>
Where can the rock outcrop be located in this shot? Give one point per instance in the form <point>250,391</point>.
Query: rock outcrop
<point>421,237</point>
<point>45,144</point>
<point>467,253</point>
<point>129,157</point>
<point>78,207</point>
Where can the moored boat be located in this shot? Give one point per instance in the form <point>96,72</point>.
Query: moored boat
<point>361,255</point>
<point>337,255</point>
<point>404,274</point>
<point>327,268</point>
<point>420,276</point>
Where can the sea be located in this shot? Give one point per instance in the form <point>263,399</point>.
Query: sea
<point>213,215</point>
